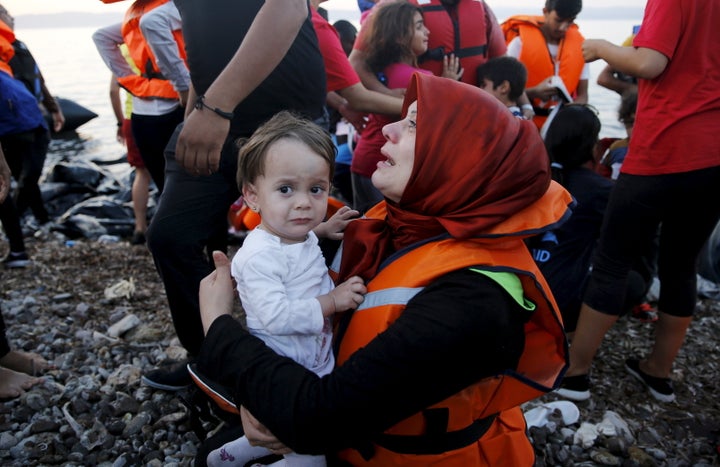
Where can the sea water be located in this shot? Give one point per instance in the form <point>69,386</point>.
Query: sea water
<point>74,70</point>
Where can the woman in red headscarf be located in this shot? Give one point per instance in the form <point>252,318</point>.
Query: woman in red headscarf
<point>458,327</point>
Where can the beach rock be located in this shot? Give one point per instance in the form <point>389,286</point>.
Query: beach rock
<point>93,409</point>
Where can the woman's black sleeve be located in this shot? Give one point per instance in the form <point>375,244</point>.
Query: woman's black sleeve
<point>459,329</point>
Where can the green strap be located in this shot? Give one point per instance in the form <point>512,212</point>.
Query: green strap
<point>511,283</point>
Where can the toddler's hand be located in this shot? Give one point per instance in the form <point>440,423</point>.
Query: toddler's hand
<point>333,228</point>
<point>349,295</point>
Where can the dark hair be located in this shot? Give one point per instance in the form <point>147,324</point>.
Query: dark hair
<point>628,105</point>
<point>505,68</point>
<point>347,33</point>
<point>284,125</point>
<point>565,9</point>
<point>571,138</point>
<point>390,35</point>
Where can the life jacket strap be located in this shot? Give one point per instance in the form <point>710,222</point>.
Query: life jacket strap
<point>436,441</point>
<point>438,53</point>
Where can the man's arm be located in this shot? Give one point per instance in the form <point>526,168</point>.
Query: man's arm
<point>362,99</point>
<point>640,62</point>
<point>107,40</point>
<point>581,94</point>
<point>368,78</point>
<point>272,33</point>
<point>157,27</point>
<point>114,93</point>
<point>52,106</point>
<point>607,79</point>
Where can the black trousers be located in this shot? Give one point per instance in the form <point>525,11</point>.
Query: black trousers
<point>152,133</point>
<point>190,222</point>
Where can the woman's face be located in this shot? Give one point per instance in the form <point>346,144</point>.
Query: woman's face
<point>393,174</point>
<point>419,42</point>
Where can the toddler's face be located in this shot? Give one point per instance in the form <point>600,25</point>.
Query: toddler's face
<point>292,196</point>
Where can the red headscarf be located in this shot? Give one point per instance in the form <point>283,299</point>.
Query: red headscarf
<point>475,166</point>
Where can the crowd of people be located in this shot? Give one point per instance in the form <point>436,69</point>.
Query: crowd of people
<point>489,239</point>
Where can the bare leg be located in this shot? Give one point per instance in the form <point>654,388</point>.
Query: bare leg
<point>140,196</point>
<point>589,333</point>
<point>29,363</point>
<point>14,384</point>
<point>669,336</point>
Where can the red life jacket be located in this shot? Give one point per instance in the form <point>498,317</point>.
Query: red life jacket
<point>483,419</point>
<point>150,83</point>
<point>466,36</point>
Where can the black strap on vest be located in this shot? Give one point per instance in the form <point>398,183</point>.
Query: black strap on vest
<point>150,72</point>
<point>437,439</point>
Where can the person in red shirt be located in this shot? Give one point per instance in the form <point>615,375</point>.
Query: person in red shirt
<point>673,163</point>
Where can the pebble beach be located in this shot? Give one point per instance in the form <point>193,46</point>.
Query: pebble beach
<point>97,311</point>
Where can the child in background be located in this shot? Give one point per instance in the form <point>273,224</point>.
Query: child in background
<point>616,152</point>
<point>284,173</point>
<point>504,77</point>
<point>397,37</point>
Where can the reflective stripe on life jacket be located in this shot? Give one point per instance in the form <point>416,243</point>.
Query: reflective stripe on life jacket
<point>463,34</point>
<point>537,60</point>
<point>150,83</point>
<point>541,365</point>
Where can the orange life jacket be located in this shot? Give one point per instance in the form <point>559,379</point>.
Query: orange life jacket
<point>467,37</point>
<point>150,83</point>
<point>537,59</point>
<point>7,52</point>
<point>485,416</point>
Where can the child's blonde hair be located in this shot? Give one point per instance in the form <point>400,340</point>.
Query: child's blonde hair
<point>284,125</point>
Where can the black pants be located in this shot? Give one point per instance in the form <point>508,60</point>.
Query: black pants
<point>152,133</point>
<point>17,148</point>
<point>190,222</point>
<point>684,207</point>
<point>28,194</point>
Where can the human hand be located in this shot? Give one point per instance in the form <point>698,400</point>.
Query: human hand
<point>528,112</point>
<point>544,90</point>
<point>58,120</point>
<point>349,295</point>
<point>216,291</point>
<point>355,118</point>
<point>258,434</point>
<point>119,135</point>
<point>592,49</point>
<point>333,228</point>
<point>452,68</point>
<point>397,92</point>
<point>200,142</point>
<point>4,177</point>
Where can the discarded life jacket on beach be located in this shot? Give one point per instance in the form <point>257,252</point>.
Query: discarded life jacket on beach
<point>7,37</point>
<point>150,83</point>
<point>482,424</point>
<point>536,57</point>
<point>466,36</point>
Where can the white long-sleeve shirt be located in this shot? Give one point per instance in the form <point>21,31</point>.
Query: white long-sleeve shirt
<point>157,27</point>
<point>278,284</point>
